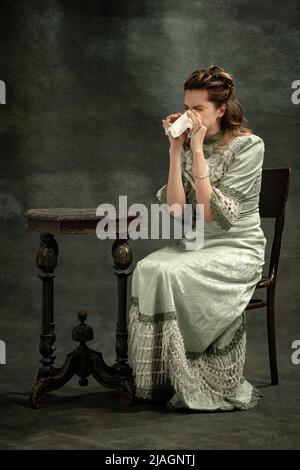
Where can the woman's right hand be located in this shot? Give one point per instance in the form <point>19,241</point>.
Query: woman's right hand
<point>175,142</point>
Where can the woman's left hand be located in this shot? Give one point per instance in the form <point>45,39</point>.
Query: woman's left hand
<point>197,132</point>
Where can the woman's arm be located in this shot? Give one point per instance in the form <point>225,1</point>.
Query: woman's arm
<point>175,190</point>
<point>203,187</point>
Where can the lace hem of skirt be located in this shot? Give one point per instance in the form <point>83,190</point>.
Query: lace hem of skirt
<point>161,364</point>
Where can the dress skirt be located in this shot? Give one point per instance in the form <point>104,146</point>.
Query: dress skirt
<point>187,324</point>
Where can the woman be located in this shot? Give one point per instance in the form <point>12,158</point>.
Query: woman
<point>187,336</point>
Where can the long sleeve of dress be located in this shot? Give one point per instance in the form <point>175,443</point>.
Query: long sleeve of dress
<point>238,182</point>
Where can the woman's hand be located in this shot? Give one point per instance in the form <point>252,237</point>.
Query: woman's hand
<point>175,142</point>
<point>197,132</point>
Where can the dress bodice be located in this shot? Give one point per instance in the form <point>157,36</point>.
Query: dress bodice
<point>234,170</point>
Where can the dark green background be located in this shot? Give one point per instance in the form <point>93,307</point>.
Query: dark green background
<point>88,83</point>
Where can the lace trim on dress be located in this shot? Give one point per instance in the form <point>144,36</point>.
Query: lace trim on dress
<point>158,392</point>
<point>163,316</point>
<point>158,358</point>
<point>225,203</point>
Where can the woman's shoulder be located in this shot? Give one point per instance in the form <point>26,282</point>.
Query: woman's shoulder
<point>248,149</point>
<point>248,140</point>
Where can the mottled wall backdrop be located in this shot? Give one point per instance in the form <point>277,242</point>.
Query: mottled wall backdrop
<point>87,84</point>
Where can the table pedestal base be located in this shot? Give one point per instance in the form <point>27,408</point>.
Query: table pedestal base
<point>83,362</point>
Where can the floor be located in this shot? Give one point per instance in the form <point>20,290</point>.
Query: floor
<point>90,418</point>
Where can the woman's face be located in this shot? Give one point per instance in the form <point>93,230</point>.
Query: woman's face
<point>198,100</point>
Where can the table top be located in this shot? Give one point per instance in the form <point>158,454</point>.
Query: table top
<point>74,220</point>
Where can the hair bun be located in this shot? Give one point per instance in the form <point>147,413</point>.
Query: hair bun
<point>212,77</point>
<point>220,74</point>
<point>229,83</point>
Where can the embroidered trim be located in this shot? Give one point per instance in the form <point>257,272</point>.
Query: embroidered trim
<point>236,198</point>
<point>157,355</point>
<point>227,349</point>
<point>158,317</point>
<point>216,209</point>
<point>161,316</point>
<point>233,343</point>
<point>236,194</point>
<point>164,316</point>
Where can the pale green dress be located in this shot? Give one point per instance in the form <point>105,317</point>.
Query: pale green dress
<point>186,322</point>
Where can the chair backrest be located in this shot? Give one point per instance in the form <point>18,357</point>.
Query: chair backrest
<point>274,191</point>
<point>275,185</point>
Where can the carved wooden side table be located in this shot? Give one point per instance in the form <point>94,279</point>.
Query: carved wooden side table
<point>83,361</point>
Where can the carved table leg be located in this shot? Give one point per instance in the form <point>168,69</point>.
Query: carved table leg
<point>46,260</point>
<point>122,257</point>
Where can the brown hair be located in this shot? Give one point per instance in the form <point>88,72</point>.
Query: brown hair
<point>219,85</point>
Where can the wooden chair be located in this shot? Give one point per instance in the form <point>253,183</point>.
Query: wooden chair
<point>273,197</point>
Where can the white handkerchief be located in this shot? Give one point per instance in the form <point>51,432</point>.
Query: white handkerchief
<point>180,125</point>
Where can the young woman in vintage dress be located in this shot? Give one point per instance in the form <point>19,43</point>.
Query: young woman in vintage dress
<point>186,324</point>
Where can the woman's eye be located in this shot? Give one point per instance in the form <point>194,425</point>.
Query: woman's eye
<point>199,110</point>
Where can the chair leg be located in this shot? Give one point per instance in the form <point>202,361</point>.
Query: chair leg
<point>271,333</point>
